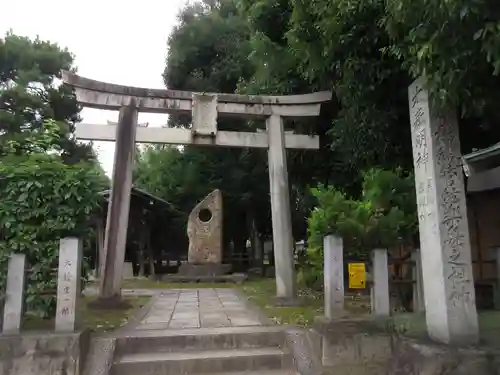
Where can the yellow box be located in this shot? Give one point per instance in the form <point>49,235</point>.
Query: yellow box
<point>357,275</point>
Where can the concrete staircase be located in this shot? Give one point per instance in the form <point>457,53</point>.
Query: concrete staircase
<point>215,351</point>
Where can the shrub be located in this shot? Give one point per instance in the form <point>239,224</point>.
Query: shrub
<point>43,200</point>
<point>384,217</point>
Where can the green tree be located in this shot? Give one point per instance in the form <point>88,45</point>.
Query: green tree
<point>384,217</point>
<point>30,95</point>
<point>366,51</point>
<point>208,51</point>
<point>454,45</point>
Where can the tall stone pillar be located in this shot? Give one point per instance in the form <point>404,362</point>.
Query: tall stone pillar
<point>280,209</point>
<point>442,212</point>
<point>115,238</point>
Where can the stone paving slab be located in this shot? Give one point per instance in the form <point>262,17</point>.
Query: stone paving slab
<point>202,331</point>
<point>198,308</point>
<point>94,291</point>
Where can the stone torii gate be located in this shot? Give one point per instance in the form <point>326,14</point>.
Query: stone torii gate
<point>205,109</point>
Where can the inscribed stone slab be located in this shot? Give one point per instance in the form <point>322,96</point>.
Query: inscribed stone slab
<point>205,231</point>
<point>68,284</point>
<point>442,213</point>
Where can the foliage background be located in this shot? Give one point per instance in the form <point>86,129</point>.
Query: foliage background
<point>49,183</point>
<point>366,52</point>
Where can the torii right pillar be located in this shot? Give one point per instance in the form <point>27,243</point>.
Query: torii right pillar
<point>442,213</point>
<point>281,213</point>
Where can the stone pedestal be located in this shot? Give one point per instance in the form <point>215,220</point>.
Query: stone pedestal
<point>195,270</point>
<point>442,212</point>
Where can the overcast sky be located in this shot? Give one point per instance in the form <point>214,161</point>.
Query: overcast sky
<point>113,41</point>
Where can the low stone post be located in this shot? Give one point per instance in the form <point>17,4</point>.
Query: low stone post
<point>380,295</point>
<point>333,276</point>
<point>418,286</point>
<point>14,296</point>
<point>496,288</point>
<point>68,284</point>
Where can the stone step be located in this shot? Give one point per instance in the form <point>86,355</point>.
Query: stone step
<point>199,339</point>
<point>203,362</point>
<point>260,372</point>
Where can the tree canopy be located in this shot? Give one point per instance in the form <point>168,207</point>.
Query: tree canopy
<point>30,94</point>
<point>366,52</point>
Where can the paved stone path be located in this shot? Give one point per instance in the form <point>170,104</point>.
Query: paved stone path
<point>94,291</point>
<point>198,308</point>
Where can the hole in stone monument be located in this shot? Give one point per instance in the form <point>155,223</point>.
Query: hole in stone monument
<point>205,215</point>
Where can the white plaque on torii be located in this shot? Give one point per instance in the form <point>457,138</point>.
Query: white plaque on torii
<point>204,114</point>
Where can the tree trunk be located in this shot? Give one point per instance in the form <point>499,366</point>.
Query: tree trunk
<point>151,255</point>
<point>250,234</point>
<point>260,241</point>
<point>141,261</point>
<point>100,248</point>
<point>257,245</point>
<point>239,240</point>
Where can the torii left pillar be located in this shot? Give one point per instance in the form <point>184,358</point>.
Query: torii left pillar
<point>115,237</point>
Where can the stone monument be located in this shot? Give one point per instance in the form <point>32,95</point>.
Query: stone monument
<point>204,231</point>
<point>448,280</point>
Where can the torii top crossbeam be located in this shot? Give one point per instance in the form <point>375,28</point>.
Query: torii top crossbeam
<point>102,95</point>
<point>204,108</point>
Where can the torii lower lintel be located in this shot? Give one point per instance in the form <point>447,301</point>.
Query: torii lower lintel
<point>177,136</point>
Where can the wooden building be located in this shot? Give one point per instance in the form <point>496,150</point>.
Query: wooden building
<point>155,236</point>
<point>482,169</point>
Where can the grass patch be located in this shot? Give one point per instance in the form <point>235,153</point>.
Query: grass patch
<point>262,293</point>
<point>413,325</point>
<point>96,320</point>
